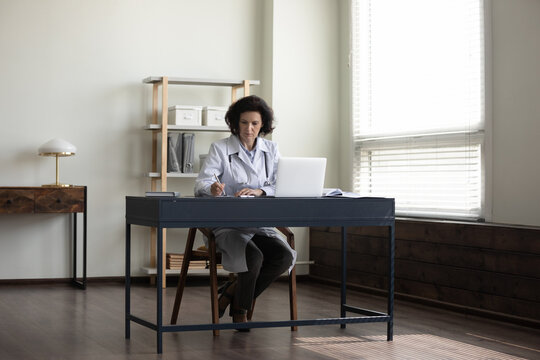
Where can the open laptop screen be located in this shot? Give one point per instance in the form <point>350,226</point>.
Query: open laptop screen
<point>300,177</point>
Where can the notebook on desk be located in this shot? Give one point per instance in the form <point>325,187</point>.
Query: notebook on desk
<point>300,177</point>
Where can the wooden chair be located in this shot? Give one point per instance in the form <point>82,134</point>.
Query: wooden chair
<point>213,259</point>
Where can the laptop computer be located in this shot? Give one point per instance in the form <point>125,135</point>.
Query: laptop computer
<point>300,177</point>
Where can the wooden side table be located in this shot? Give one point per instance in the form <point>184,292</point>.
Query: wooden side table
<point>35,200</point>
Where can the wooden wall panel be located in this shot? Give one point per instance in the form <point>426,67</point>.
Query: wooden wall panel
<point>490,268</point>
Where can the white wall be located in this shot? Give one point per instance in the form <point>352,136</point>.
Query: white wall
<point>305,89</point>
<point>345,126</point>
<point>306,80</point>
<point>73,69</point>
<point>516,111</point>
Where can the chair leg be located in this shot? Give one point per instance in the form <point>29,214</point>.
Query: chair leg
<point>292,297</point>
<point>292,280</point>
<point>250,312</point>
<point>213,282</point>
<point>183,275</point>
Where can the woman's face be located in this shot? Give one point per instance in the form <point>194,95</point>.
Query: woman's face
<point>249,127</point>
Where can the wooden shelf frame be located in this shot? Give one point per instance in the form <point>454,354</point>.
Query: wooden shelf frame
<point>156,175</point>
<point>196,81</point>
<point>201,128</point>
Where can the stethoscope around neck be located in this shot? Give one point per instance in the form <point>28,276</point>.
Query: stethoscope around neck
<point>267,181</point>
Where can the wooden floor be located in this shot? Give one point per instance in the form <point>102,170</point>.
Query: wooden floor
<point>61,322</point>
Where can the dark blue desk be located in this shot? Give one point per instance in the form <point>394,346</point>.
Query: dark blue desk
<point>248,212</point>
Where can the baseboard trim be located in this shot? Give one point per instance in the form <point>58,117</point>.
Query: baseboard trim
<point>67,281</point>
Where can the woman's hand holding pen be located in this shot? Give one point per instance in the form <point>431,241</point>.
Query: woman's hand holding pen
<point>217,189</point>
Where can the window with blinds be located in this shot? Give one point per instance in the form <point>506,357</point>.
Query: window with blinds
<point>418,105</point>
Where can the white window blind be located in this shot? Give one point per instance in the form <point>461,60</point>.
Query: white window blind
<point>418,105</point>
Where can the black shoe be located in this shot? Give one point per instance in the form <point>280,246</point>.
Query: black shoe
<point>240,316</point>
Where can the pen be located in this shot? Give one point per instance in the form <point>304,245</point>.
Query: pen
<point>219,182</point>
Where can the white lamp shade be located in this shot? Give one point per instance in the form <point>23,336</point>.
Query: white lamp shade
<point>57,147</point>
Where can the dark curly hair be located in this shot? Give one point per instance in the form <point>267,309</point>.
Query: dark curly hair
<point>250,103</point>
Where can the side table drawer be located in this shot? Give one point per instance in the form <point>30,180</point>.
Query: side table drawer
<point>15,201</point>
<point>61,200</point>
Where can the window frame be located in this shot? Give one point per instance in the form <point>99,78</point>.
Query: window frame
<point>486,143</point>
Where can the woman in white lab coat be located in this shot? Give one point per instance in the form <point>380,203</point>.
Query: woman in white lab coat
<point>245,164</point>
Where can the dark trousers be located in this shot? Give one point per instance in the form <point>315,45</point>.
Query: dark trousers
<point>266,258</point>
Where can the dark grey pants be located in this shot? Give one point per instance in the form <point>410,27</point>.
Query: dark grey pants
<point>267,258</point>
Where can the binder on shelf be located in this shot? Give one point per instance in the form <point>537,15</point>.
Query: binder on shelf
<point>188,144</point>
<point>173,163</point>
<point>179,150</point>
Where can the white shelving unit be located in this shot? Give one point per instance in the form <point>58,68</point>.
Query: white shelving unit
<point>161,128</point>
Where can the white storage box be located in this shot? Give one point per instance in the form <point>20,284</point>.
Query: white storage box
<point>214,116</point>
<point>185,115</point>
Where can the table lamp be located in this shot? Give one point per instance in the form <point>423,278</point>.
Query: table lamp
<point>58,148</point>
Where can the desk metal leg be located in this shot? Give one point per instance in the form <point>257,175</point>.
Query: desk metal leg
<point>391,256</point>
<point>74,277</point>
<point>159,289</point>
<point>84,240</point>
<point>81,284</point>
<point>128,279</point>
<point>343,273</point>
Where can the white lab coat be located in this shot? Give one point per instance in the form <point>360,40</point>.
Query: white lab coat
<point>232,165</point>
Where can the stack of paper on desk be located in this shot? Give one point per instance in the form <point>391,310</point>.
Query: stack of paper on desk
<point>339,193</point>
